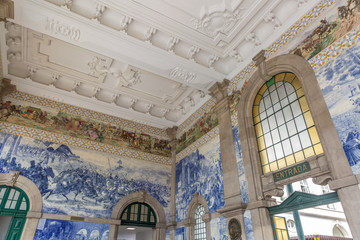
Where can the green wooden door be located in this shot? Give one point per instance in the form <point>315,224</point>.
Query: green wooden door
<point>16,227</point>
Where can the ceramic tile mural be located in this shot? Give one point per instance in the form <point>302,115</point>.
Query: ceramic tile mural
<point>80,182</point>
<point>248,226</point>
<point>180,233</point>
<point>240,164</point>
<point>32,116</point>
<point>219,229</point>
<point>69,230</point>
<point>339,81</point>
<point>200,172</point>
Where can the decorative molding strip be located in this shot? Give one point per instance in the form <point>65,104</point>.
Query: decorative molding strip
<point>81,143</point>
<point>200,142</point>
<point>183,74</point>
<point>63,29</point>
<point>126,124</point>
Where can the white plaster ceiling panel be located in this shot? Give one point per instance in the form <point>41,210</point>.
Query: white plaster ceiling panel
<point>207,33</point>
<point>59,66</point>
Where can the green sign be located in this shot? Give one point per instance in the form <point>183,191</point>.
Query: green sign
<point>292,171</point>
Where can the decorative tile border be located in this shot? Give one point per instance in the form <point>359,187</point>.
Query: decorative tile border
<point>335,49</point>
<point>126,124</point>
<point>243,75</point>
<point>81,143</point>
<point>200,142</point>
<point>206,107</point>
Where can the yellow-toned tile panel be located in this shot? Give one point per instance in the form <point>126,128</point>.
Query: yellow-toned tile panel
<point>257,100</point>
<point>255,110</point>
<point>273,166</point>
<point>263,157</point>
<point>262,89</point>
<point>314,135</point>
<point>300,92</point>
<point>261,143</point>
<point>318,149</point>
<point>258,130</point>
<point>279,77</point>
<point>266,169</point>
<point>296,83</point>
<point>308,152</point>
<point>289,77</point>
<point>303,104</point>
<point>281,163</point>
<point>290,160</point>
<point>299,156</point>
<point>256,119</point>
<point>308,119</point>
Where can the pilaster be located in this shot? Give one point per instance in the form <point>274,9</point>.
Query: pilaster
<point>234,207</point>
<point>171,132</point>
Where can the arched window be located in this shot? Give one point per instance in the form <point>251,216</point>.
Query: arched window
<point>339,231</point>
<point>200,227</point>
<point>14,205</point>
<point>138,214</point>
<point>284,127</point>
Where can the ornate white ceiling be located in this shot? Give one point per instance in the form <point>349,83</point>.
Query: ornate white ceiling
<point>150,61</point>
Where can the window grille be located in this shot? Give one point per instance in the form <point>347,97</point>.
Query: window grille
<point>284,127</point>
<point>138,214</point>
<point>200,227</point>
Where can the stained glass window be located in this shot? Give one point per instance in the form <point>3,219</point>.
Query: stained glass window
<point>200,227</point>
<point>284,127</point>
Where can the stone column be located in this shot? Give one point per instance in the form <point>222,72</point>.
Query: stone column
<point>173,141</point>
<point>6,9</point>
<point>234,207</point>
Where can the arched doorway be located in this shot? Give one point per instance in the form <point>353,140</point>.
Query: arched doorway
<point>141,210</point>
<point>14,205</point>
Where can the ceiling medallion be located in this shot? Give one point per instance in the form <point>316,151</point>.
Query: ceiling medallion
<point>182,74</point>
<point>217,22</point>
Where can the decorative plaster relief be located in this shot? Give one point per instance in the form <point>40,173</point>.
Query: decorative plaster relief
<point>99,10</point>
<point>67,4</point>
<point>62,29</point>
<point>125,21</point>
<point>192,51</point>
<point>272,18</point>
<point>150,31</point>
<point>171,44</point>
<point>211,60</point>
<point>98,67</point>
<point>235,54</point>
<point>183,74</point>
<point>217,22</point>
<point>251,37</point>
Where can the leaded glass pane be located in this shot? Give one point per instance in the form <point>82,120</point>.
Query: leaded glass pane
<point>199,228</point>
<point>2,193</point>
<point>23,205</point>
<point>283,124</point>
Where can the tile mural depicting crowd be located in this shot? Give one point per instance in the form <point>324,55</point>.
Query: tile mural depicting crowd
<point>81,127</point>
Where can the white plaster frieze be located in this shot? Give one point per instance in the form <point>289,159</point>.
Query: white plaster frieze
<point>56,27</point>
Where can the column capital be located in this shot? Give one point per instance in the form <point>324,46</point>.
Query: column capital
<point>6,9</point>
<point>219,90</point>
<point>171,132</point>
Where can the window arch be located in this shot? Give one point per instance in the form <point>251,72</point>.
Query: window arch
<point>13,201</point>
<point>138,214</point>
<point>200,227</point>
<point>198,219</point>
<point>285,131</point>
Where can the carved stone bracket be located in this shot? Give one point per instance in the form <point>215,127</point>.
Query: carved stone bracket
<point>14,175</point>
<point>219,90</point>
<point>322,180</point>
<point>6,87</point>
<point>259,60</point>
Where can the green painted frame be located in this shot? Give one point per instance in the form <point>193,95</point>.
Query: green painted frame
<point>301,200</point>
<point>146,223</point>
<point>18,216</point>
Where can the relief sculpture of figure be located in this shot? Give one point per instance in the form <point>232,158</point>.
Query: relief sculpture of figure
<point>234,229</point>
